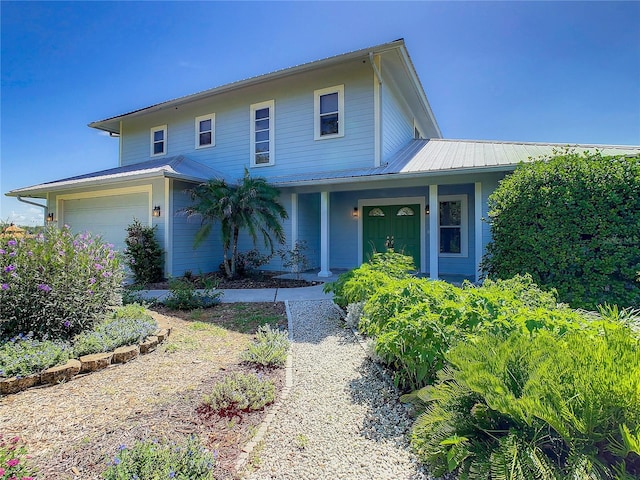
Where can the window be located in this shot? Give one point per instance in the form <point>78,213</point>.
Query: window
<point>262,134</point>
<point>205,131</point>
<point>405,212</point>
<point>329,112</point>
<point>159,140</point>
<point>452,221</point>
<point>376,212</point>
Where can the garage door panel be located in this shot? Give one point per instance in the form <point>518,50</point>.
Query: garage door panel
<point>107,216</point>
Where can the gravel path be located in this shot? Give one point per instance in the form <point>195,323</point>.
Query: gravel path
<point>341,419</point>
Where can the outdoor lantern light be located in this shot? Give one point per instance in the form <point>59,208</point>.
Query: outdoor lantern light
<point>426,210</point>
<point>156,211</point>
<point>355,212</point>
<point>50,217</point>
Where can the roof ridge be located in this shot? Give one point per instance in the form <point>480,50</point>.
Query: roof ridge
<point>515,142</point>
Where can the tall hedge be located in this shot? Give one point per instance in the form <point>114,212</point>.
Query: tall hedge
<point>572,221</point>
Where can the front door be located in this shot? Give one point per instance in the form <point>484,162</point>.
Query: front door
<point>392,226</point>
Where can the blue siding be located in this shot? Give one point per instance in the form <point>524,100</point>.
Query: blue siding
<point>397,123</point>
<point>208,255</point>
<point>309,226</point>
<point>296,150</point>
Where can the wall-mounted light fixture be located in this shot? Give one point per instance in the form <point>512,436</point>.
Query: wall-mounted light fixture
<point>426,210</point>
<point>156,211</point>
<point>50,217</point>
<point>354,214</point>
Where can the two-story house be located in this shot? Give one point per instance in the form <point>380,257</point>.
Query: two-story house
<point>351,142</point>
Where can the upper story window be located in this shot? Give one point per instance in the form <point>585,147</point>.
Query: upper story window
<point>453,225</point>
<point>159,140</point>
<point>262,134</point>
<point>206,131</point>
<point>329,112</point>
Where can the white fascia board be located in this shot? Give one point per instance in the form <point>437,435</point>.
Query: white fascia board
<point>278,74</point>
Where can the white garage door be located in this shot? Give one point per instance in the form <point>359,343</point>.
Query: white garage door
<point>108,216</point>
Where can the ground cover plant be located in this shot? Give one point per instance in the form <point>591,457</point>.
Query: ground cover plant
<point>240,392</point>
<point>154,460</point>
<point>269,348</point>
<point>14,464</point>
<point>23,355</point>
<point>183,295</point>
<point>56,284</point>
<point>579,233</point>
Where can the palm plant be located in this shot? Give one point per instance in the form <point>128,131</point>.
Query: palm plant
<point>252,205</point>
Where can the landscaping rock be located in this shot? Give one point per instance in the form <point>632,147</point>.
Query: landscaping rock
<point>149,345</point>
<point>17,384</point>
<point>61,373</point>
<point>125,354</point>
<point>96,361</point>
<point>162,333</point>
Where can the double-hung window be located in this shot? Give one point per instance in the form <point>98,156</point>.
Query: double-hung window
<point>263,133</point>
<point>206,131</point>
<point>329,112</point>
<point>159,141</point>
<point>453,225</point>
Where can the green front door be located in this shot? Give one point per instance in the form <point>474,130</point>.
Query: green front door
<point>396,226</point>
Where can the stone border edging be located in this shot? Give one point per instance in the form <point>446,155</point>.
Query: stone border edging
<point>84,365</point>
<point>247,450</point>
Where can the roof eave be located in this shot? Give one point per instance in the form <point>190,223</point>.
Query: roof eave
<point>102,124</point>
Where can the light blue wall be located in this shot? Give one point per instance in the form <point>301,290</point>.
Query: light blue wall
<point>309,226</point>
<point>205,258</point>
<point>296,151</point>
<point>397,123</point>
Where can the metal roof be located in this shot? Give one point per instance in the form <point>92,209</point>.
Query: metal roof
<point>444,156</point>
<point>178,167</point>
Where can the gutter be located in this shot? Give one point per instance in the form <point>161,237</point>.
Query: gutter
<point>44,207</point>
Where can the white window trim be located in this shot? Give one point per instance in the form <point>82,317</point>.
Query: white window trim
<point>159,128</point>
<point>464,225</point>
<point>271,104</point>
<point>339,89</point>
<point>201,118</point>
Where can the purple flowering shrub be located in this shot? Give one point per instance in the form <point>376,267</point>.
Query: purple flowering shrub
<point>56,285</point>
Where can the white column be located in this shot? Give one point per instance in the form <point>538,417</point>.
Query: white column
<point>434,211</point>
<point>294,219</point>
<point>477,201</point>
<point>324,235</point>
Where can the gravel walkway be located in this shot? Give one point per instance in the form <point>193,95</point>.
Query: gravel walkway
<point>341,419</point>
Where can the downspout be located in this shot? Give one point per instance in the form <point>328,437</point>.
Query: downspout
<point>46,209</point>
<point>377,108</point>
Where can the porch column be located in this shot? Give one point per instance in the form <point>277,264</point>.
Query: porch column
<point>434,212</point>
<point>294,219</point>
<point>477,201</point>
<point>324,235</point>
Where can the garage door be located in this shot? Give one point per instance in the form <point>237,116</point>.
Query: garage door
<point>108,216</point>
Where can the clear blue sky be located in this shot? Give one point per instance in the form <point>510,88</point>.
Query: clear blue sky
<point>540,71</point>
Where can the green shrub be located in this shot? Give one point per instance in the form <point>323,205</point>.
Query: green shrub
<point>573,222</point>
<point>240,392</point>
<point>269,348</point>
<point>151,460</point>
<point>295,259</point>
<point>57,284</point>
<point>535,406</point>
<point>359,284</point>
<point>13,460</point>
<point>143,253</point>
<point>184,296</point>
<point>24,355</point>
<point>128,325</point>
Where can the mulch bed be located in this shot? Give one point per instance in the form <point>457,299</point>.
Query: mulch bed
<point>72,429</point>
<point>258,280</point>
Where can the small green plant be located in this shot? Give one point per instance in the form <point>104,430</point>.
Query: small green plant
<point>301,441</point>
<point>143,253</point>
<point>13,460</point>
<point>295,259</point>
<point>269,348</point>
<point>152,460</point>
<point>56,285</point>
<point>240,392</point>
<point>184,296</point>
<point>128,325</point>
<point>23,355</point>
